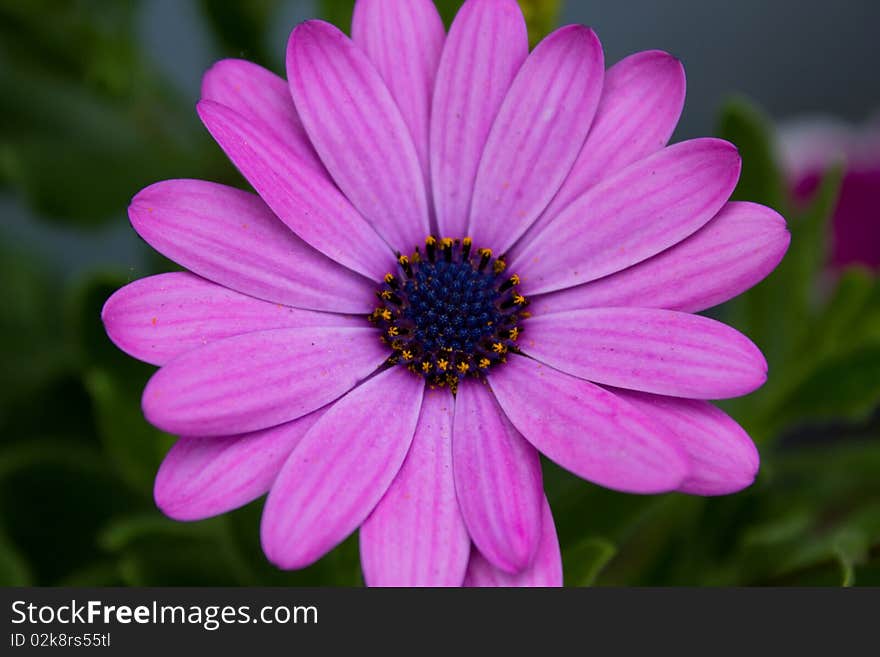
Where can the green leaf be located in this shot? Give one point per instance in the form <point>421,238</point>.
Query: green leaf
<point>584,561</point>
<point>541,15</point>
<point>241,27</point>
<point>743,124</point>
<point>131,443</point>
<point>14,570</point>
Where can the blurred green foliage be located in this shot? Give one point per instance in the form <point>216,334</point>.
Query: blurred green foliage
<point>86,120</point>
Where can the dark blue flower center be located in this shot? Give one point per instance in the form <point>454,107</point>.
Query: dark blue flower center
<point>450,312</point>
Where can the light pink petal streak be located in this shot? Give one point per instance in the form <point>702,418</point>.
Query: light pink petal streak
<point>358,131</point>
<point>497,478</point>
<point>727,256</point>
<point>258,380</point>
<point>159,317</point>
<point>587,429</point>
<point>258,94</point>
<point>723,459</point>
<point>634,214</point>
<point>486,46</point>
<point>404,40</point>
<point>642,99</point>
<point>204,477</point>
<point>537,135</point>
<point>341,469</point>
<point>310,205</point>
<point>648,349</point>
<point>416,536</point>
<point>545,570</point>
<point>231,237</point>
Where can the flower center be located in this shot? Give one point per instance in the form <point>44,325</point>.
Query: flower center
<point>450,312</point>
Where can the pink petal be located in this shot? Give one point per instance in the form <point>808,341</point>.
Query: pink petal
<point>341,469</point>
<point>485,47</point>
<point>159,317</point>
<point>537,135</point>
<point>661,351</point>
<point>545,570</point>
<point>358,131</point>
<point>260,95</point>
<point>416,536</point>
<point>497,479</point>
<point>632,215</point>
<point>204,477</point>
<point>404,40</point>
<point>232,238</point>
<point>586,429</point>
<point>723,458</point>
<point>306,201</point>
<point>258,380</point>
<point>641,102</point>
<point>727,256</point>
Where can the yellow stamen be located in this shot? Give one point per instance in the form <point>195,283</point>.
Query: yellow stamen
<point>389,277</point>
<point>385,294</point>
<point>385,314</point>
<point>498,348</point>
<point>407,354</point>
<point>446,242</point>
<point>514,333</point>
<point>426,366</point>
<point>392,330</point>
<point>463,367</point>
<point>430,239</point>
<point>443,364</point>
<point>485,362</point>
<point>499,266</point>
<point>403,259</point>
<point>515,279</point>
<point>467,241</point>
<point>519,299</point>
<point>485,252</point>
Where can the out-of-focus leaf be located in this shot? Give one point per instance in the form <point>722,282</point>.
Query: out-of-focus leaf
<point>847,386</point>
<point>583,562</point>
<point>541,15</point>
<point>132,444</point>
<point>84,122</point>
<point>14,570</point>
<point>242,26</point>
<point>743,124</point>
<point>34,346</point>
<point>54,496</point>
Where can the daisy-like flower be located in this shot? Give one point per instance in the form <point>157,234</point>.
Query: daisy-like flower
<point>460,255</point>
<point>810,147</point>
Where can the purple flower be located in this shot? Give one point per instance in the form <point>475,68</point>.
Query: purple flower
<point>810,147</point>
<point>462,254</point>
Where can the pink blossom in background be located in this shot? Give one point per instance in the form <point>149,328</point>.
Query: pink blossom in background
<point>809,148</point>
<point>460,255</point>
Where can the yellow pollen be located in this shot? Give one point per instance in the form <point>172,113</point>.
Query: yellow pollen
<point>403,259</point>
<point>447,242</point>
<point>407,354</point>
<point>467,241</point>
<point>498,348</point>
<point>389,277</point>
<point>485,362</point>
<point>463,367</point>
<point>499,266</point>
<point>385,294</point>
<point>416,257</point>
<point>426,366</point>
<point>443,364</point>
<point>519,299</point>
<point>514,333</point>
<point>392,330</point>
<point>485,252</point>
<point>385,314</point>
<point>430,239</point>
<point>515,279</point>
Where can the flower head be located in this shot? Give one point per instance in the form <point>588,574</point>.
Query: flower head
<point>460,254</point>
